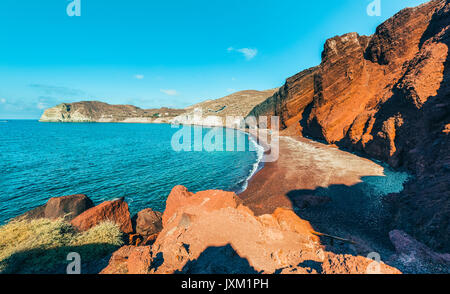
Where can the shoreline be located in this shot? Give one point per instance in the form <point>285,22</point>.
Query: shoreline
<point>258,165</point>
<point>334,190</point>
<point>282,176</point>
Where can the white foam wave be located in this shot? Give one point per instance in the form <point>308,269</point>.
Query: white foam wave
<point>257,165</point>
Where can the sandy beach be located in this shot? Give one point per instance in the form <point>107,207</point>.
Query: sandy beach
<point>304,165</point>
<point>338,192</point>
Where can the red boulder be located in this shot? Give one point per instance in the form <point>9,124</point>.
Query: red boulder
<point>148,222</point>
<point>67,206</point>
<point>115,211</point>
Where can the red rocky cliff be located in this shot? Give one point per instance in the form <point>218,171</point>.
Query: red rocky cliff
<point>385,95</point>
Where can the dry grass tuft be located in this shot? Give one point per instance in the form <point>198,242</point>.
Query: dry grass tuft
<point>41,246</point>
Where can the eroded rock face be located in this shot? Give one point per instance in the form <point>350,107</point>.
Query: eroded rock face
<point>348,264</point>
<point>342,100</point>
<point>290,101</point>
<point>386,95</point>
<point>130,260</point>
<point>57,207</point>
<point>115,211</point>
<point>212,232</point>
<point>206,200</point>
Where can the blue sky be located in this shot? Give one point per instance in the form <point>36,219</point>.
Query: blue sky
<point>164,53</point>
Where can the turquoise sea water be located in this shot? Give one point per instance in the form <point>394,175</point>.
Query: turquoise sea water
<point>107,161</point>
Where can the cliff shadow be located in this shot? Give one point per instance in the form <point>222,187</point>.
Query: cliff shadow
<point>218,260</point>
<point>357,213</point>
<point>93,259</point>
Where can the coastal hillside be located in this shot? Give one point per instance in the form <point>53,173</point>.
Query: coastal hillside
<point>386,96</point>
<point>236,104</point>
<point>95,111</point>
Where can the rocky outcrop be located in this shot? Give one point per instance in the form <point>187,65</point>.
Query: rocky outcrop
<point>387,96</point>
<point>416,256</point>
<point>290,101</point>
<point>67,207</point>
<point>94,111</point>
<point>148,223</point>
<point>212,232</point>
<point>115,211</point>
<point>130,260</point>
<point>206,200</point>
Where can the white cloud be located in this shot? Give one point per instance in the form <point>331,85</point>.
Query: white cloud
<point>249,53</point>
<point>169,92</point>
<point>139,77</point>
<point>2,100</point>
<point>231,90</point>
